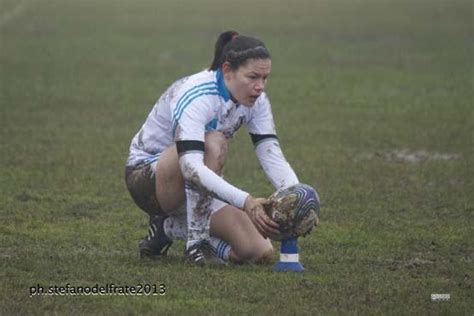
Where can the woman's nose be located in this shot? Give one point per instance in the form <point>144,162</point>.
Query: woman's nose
<point>260,85</point>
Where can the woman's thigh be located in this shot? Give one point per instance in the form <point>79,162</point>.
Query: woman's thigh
<point>169,181</point>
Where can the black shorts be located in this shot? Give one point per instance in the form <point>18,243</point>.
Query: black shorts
<point>141,184</point>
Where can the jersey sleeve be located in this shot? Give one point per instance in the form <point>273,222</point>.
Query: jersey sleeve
<point>189,127</point>
<point>194,170</point>
<point>267,148</point>
<point>274,164</point>
<point>189,119</point>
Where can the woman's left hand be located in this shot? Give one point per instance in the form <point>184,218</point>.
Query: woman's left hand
<point>254,207</point>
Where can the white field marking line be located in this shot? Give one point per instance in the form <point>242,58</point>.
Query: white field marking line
<point>17,10</point>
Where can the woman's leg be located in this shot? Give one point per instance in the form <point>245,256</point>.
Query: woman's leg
<point>169,180</point>
<point>229,223</point>
<point>235,227</point>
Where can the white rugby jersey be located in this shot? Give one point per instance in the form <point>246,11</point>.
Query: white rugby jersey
<point>189,108</point>
<point>199,103</point>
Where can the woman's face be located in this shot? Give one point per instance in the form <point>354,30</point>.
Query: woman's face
<point>247,83</point>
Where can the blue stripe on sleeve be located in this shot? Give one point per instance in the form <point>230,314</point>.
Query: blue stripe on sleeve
<point>176,119</point>
<point>189,92</point>
<point>180,107</point>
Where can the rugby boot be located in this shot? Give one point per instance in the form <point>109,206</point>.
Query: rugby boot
<point>156,244</point>
<point>202,253</point>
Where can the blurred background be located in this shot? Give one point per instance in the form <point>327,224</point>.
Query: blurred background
<point>373,106</point>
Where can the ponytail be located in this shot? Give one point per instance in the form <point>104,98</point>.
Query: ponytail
<point>221,42</point>
<point>237,49</point>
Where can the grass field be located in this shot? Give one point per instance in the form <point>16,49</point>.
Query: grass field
<point>373,102</point>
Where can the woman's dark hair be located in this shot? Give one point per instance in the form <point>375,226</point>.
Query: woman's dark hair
<point>237,49</point>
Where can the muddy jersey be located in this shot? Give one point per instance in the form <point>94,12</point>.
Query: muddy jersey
<point>195,105</point>
<point>191,107</point>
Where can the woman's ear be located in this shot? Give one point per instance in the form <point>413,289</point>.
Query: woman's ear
<point>226,69</point>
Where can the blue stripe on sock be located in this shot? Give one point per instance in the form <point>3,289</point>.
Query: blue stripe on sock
<point>219,246</point>
<point>222,247</point>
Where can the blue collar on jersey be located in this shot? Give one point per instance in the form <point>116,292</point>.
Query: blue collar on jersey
<point>222,88</point>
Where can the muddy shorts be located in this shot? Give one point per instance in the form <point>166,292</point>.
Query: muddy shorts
<point>141,184</point>
<point>142,187</point>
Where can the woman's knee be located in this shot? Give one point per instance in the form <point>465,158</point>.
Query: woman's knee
<point>255,253</point>
<point>266,256</point>
<point>216,147</point>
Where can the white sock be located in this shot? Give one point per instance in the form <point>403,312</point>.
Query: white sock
<point>198,214</point>
<point>220,247</point>
<point>176,227</point>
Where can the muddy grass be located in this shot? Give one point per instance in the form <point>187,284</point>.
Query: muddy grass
<point>410,156</point>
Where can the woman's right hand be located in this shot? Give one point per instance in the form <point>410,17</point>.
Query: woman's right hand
<point>254,207</point>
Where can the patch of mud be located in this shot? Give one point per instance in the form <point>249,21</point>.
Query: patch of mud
<point>407,264</point>
<point>467,282</point>
<point>27,196</point>
<point>407,156</point>
<point>7,253</point>
<point>83,210</point>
